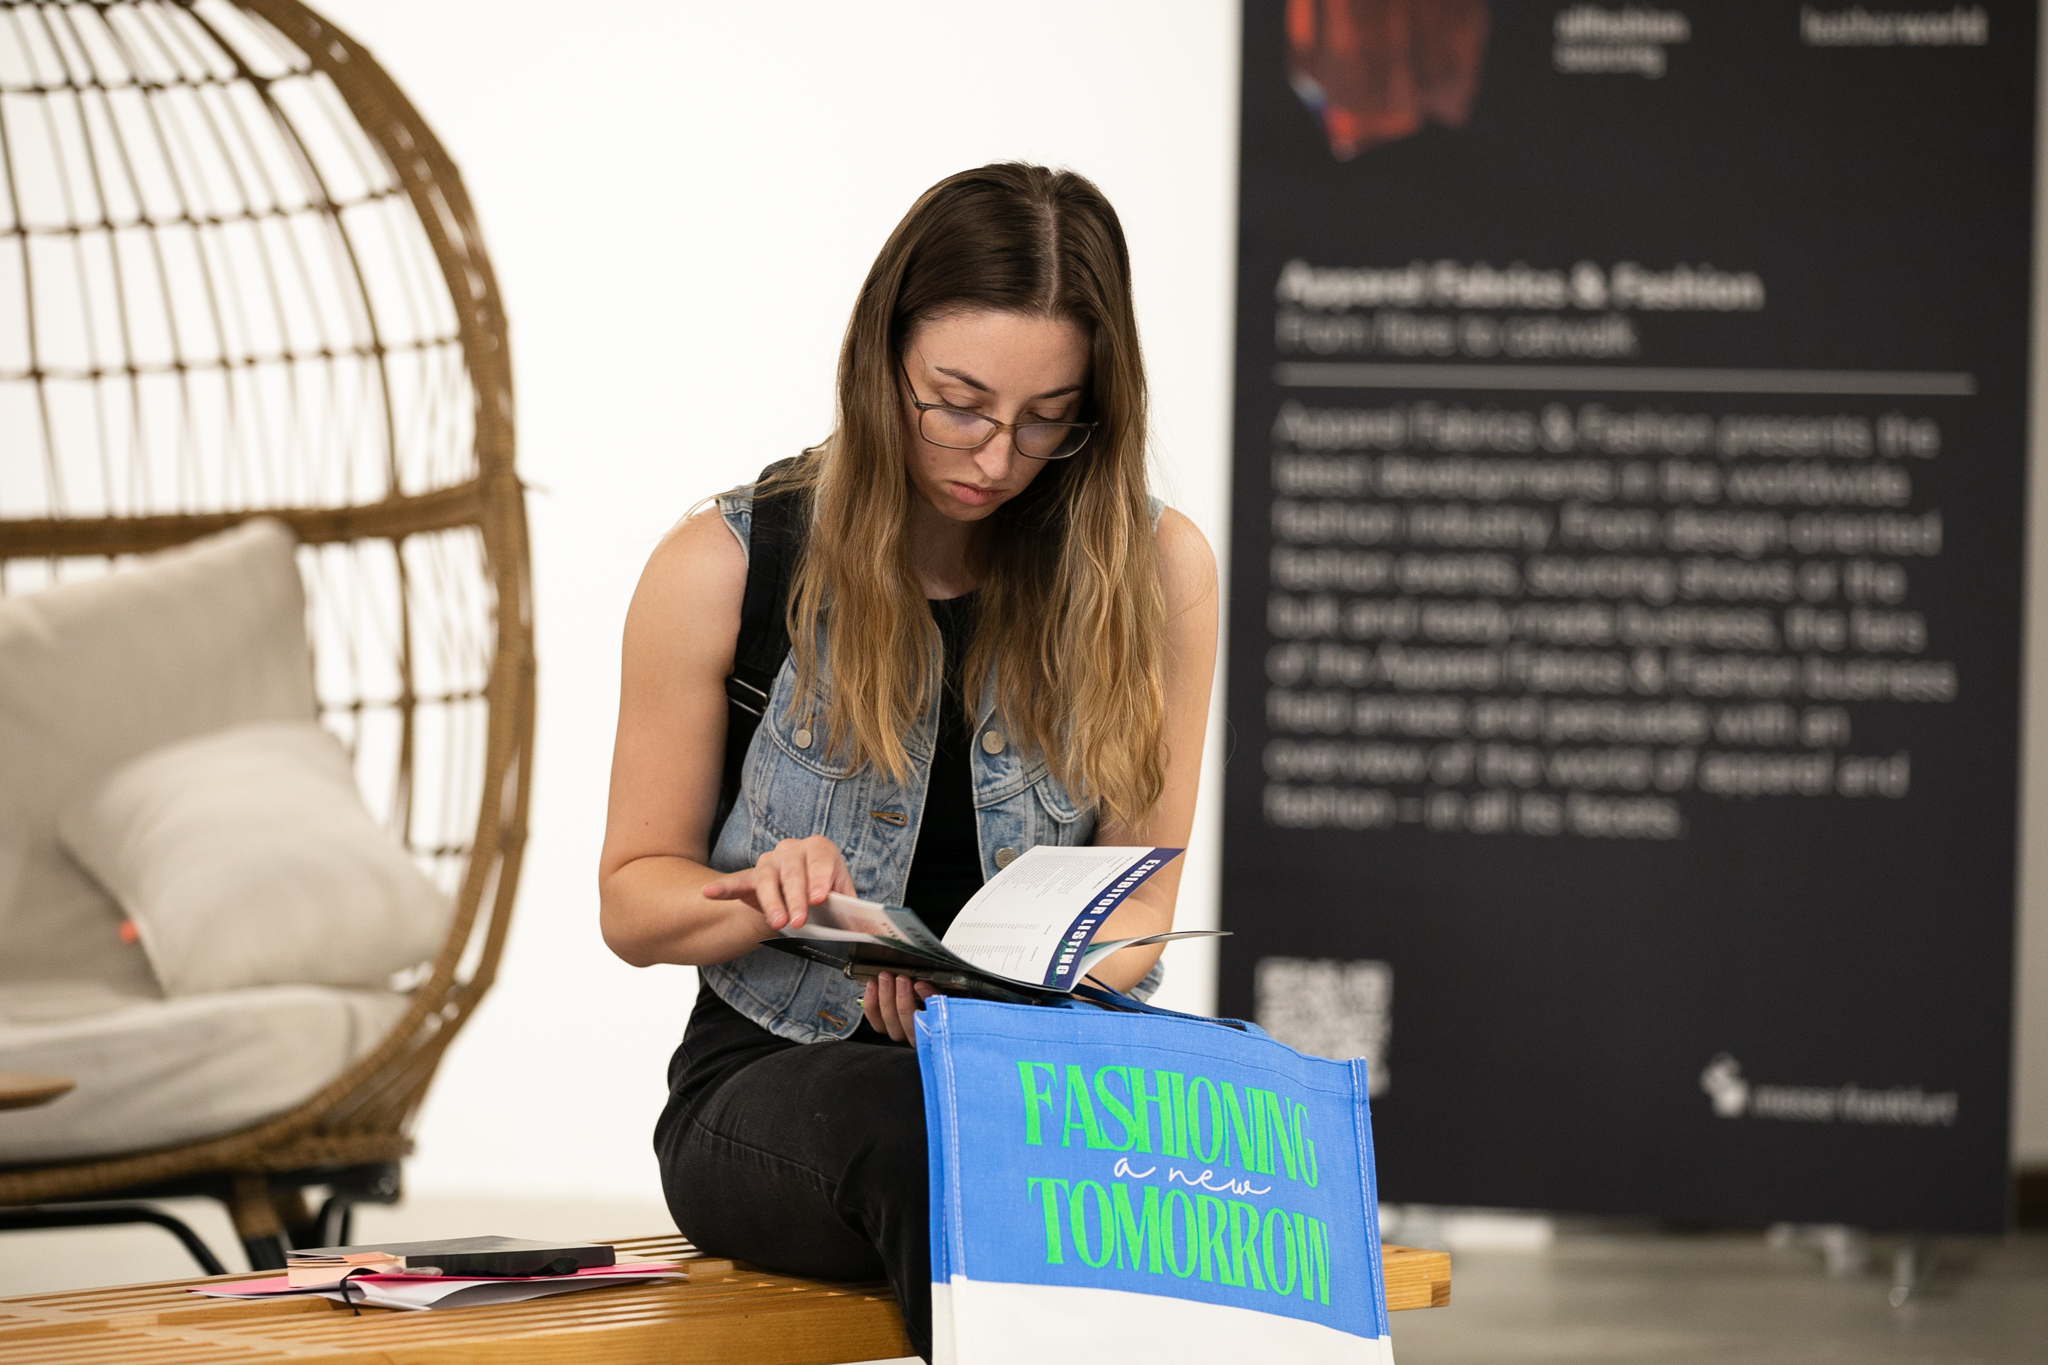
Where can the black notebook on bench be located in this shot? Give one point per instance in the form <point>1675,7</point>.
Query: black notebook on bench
<point>455,1257</point>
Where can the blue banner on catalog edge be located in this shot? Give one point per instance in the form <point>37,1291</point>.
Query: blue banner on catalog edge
<point>1108,1182</point>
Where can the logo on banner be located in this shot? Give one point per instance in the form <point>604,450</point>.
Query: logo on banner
<point>1722,1080</point>
<point>1734,1097</point>
<point>1628,41</point>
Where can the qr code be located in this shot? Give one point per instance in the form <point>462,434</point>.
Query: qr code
<point>1328,1008</point>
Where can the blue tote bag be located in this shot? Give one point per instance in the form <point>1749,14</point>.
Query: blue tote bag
<point>1144,1187</point>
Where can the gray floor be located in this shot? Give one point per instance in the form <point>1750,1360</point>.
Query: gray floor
<point>1598,1293</point>
<point>1627,1296</point>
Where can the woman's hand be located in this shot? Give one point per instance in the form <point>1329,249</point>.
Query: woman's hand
<point>890,1000</point>
<point>786,881</point>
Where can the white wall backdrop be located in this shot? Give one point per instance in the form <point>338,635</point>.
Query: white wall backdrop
<point>680,200</point>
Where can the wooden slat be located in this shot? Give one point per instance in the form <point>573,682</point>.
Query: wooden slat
<point>40,537</point>
<point>27,1089</point>
<point>725,1312</point>
<point>1415,1278</point>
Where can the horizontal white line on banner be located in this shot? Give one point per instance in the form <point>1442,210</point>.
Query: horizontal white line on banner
<point>1617,379</point>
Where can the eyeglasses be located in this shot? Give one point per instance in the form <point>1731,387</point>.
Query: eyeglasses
<point>956,429</point>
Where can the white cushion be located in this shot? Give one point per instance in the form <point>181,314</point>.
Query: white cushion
<point>245,858</point>
<point>155,1072</point>
<point>100,671</point>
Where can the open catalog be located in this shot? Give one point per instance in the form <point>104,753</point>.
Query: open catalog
<point>1027,937</point>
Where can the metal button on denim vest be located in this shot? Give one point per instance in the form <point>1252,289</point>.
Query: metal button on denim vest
<point>792,787</point>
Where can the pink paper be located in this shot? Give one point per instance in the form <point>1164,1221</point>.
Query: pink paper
<point>282,1284</point>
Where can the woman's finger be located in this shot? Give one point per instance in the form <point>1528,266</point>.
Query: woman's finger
<point>768,893</point>
<point>885,1005</point>
<point>891,1007</point>
<point>738,887</point>
<point>893,988</point>
<point>824,869</point>
<point>871,1008</point>
<point>796,895</point>
<point>906,1006</point>
<point>798,902</point>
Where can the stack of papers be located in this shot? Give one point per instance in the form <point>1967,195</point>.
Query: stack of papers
<point>477,1257</point>
<point>446,1291</point>
<point>312,1271</point>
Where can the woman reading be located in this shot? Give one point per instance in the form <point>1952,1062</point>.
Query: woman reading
<point>996,639</point>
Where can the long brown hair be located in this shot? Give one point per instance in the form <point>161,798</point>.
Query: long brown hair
<point>1070,616</point>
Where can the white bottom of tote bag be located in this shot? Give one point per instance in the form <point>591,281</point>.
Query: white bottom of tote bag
<point>977,1322</point>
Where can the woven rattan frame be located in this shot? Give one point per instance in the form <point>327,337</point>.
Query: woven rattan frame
<point>363,1115</point>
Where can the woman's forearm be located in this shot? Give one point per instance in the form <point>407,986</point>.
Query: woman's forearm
<point>1137,917</point>
<point>652,910</point>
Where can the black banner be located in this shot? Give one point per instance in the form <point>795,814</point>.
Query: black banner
<point>1626,594</point>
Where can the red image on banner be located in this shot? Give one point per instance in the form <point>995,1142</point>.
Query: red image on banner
<point>1375,70</point>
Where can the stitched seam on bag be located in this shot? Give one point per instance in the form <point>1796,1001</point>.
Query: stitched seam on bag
<point>957,1234</point>
<point>1362,1145</point>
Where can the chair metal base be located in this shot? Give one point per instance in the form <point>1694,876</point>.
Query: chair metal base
<point>21,1219</point>
<point>296,1225</point>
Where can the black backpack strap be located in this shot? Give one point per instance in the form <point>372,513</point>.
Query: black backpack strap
<point>773,545</point>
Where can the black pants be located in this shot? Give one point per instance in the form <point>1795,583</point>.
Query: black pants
<point>804,1159</point>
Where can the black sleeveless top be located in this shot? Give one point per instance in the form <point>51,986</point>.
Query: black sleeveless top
<point>945,867</point>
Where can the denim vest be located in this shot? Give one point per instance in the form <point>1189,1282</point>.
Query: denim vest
<point>791,788</point>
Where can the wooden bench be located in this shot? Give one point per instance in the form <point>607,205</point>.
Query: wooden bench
<point>723,1313</point>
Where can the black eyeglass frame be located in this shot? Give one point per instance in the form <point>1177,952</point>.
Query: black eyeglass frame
<point>1087,429</point>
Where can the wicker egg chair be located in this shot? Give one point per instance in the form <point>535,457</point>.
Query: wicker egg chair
<point>239,275</point>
